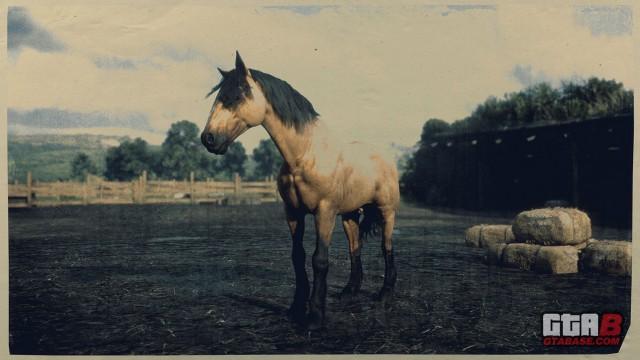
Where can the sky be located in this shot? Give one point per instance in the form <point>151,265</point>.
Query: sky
<point>373,72</point>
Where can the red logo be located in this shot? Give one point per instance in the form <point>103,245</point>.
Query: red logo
<point>611,325</point>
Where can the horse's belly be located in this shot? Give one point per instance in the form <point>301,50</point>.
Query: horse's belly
<point>355,194</point>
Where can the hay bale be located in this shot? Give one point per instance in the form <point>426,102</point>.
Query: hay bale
<point>557,260</point>
<point>583,245</point>
<point>610,257</point>
<point>483,235</point>
<point>557,226</point>
<point>496,234</point>
<point>521,256</point>
<point>472,236</point>
<point>494,253</point>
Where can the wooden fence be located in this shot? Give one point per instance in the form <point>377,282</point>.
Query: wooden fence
<point>96,190</point>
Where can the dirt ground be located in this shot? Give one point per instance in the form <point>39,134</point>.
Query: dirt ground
<point>153,279</point>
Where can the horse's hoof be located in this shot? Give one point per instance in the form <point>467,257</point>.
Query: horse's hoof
<point>385,296</point>
<point>348,293</point>
<point>315,321</point>
<point>297,313</point>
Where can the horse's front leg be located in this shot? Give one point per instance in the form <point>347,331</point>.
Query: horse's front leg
<point>298,309</point>
<point>325,221</point>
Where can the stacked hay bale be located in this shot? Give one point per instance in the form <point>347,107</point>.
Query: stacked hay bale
<point>549,238</point>
<point>484,235</point>
<point>552,240</point>
<point>611,257</point>
<point>554,227</point>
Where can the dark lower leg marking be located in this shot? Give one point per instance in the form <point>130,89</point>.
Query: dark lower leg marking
<point>298,309</point>
<point>390,273</point>
<point>318,296</point>
<point>298,256</point>
<point>351,226</point>
<point>325,221</point>
<point>355,278</point>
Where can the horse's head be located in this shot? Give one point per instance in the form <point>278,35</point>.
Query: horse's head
<point>239,106</point>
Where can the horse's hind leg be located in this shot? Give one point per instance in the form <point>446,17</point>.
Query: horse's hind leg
<point>390,274</point>
<point>351,229</point>
<point>298,309</point>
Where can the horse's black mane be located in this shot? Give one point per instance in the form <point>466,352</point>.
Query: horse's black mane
<point>293,109</point>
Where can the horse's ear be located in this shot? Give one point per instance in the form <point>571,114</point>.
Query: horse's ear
<point>223,73</point>
<point>240,67</point>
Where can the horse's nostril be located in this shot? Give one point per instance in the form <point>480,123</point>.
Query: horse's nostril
<point>207,139</point>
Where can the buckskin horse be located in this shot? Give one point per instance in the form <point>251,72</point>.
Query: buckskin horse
<point>317,177</point>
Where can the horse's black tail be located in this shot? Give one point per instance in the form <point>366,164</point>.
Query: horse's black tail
<point>371,223</point>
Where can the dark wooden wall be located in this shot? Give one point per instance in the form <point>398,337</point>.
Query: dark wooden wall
<point>587,163</point>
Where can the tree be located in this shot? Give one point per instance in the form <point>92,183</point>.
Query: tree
<point>576,99</point>
<point>234,160</point>
<point>268,159</point>
<point>183,153</point>
<point>433,127</point>
<point>595,97</point>
<point>128,160</point>
<point>210,166</point>
<point>81,166</point>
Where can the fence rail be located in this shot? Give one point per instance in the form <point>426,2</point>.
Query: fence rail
<point>95,190</point>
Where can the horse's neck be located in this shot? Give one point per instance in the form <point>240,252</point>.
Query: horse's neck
<point>296,147</point>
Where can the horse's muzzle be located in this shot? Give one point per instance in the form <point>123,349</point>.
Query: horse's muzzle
<point>209,142</point>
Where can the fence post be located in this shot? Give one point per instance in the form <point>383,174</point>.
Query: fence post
<point>58,195</point>
<point>192,192</point>
<point>143,186</point>
<point>133,186</point>
<point>237,185</point>
<point>85,191</point>
<point>482,172</point>
<point>274,184</point>
<point>29,189</point>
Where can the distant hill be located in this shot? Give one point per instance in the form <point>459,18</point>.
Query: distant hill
<point>49,156</point>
